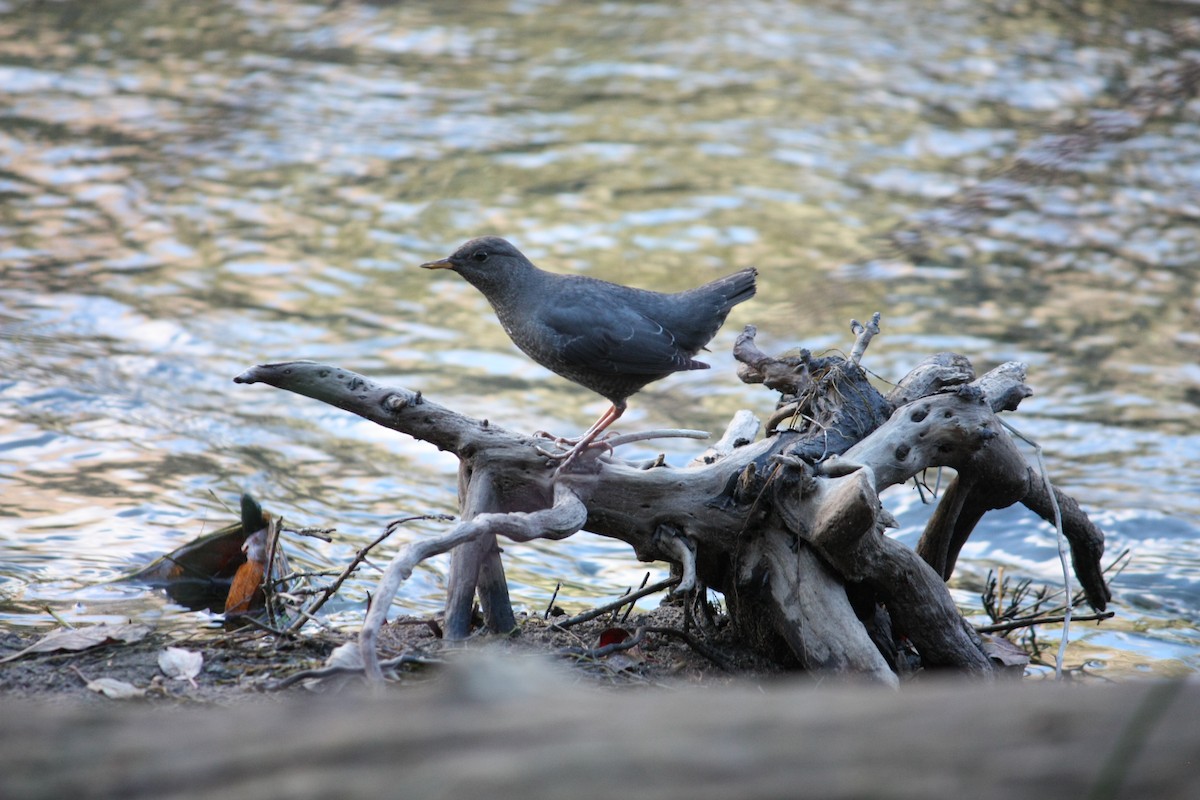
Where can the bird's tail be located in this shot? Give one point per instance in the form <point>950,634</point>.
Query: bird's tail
<point>732,289</point>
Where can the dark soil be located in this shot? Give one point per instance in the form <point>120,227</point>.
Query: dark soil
<point>253,665</point>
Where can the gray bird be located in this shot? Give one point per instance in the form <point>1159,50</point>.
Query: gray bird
<point>609,338</point>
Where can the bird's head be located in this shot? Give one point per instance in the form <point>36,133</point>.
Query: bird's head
<point>485,262</point>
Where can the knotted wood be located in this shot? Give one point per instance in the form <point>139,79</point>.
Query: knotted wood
<point>788,528</point>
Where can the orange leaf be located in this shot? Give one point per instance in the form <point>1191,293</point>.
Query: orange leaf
<point>247,582</point>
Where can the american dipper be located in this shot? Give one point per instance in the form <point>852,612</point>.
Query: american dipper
<point>609,338</point>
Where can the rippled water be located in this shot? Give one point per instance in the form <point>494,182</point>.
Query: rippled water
<point>187,189</point>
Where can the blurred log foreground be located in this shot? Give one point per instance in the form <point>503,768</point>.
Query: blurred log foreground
<point>494,732</point>
<point>789,528</point>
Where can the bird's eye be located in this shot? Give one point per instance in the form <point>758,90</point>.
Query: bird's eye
<point>480,255</point>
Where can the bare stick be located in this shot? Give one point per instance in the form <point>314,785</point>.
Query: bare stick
<point>696,645</point>
<point>740,431</point>
<point>1062,549</point>
<point>565,517</point>
<point>274,526</point>
<point>295,576</point>
<point>324,534</point>
<point>606,650</point>
<point>863,334</point>
<point>627,598</point>
<point>685,553</point>
<point>628,611</point>
<point>661,433</point>
<point>359,557</point>
<point>553,597</point>
<point>1028,622</point>
<point>341,669</point>
<point>398,409</point>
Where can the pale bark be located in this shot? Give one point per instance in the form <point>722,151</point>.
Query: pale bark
<point>780,526</point>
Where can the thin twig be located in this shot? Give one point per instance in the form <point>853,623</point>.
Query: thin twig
<point>295,576</point>
<point>617,610</point>
<point>359,557</point>
<point>274,525</point>
<point>863,335</point>
<point>315,533</point>
<point>1116,567</point>
<point>563,518</point>
<point>696,645</point>
<point>225,505</point>
<point>1000,591</point>
<point>606,650</point>
<point>553,597</point>
<point>609,443</point>
<point>662,433</point>
<point>1028,622</point>
<point>253,621</point>
<point>326,672</point>
<point>58,618</point>
<point>1062,547</point>
<point>629,598</point>
<point>629,610</point>
<point>307,616</point>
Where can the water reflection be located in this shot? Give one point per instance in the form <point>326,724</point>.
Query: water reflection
<point>187,189</point>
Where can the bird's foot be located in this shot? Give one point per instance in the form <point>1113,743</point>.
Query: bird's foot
<point>562,441</point>
<point>569,455</point>
<point>572,446</point>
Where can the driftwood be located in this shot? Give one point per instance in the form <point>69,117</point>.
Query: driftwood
<point>515,733</point>
<point>788,528</point>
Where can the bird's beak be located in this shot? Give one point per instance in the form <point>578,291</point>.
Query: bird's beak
<point>442,263</point>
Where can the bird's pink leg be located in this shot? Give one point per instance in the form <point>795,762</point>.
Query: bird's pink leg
<point>589,436</point>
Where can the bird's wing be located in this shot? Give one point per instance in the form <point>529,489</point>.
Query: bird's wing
<point>620,340</point>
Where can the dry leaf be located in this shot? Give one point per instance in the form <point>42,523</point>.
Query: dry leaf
<point>622,659</point>
<point>347,655</point>
<point>83,638</point>
<point>612,636</point>
<point>245,592</point>
<point>180,664</point>
<point>117,690</point>
<point>1004,653</point>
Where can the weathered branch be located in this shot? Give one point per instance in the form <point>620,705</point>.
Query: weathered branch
<point>783,541</point>
<point>563,518</point>
<point>933,375</point>
<point>994,476</point>
<point>620,602</point>
<point>1087,540</point>
<point>847,535</point>
<point>941,430</point>
<point>1004,387</point>
<point>741,431</point>
<point>398,409</point>
<point>863,334</point>
<point>683,552</point>
<point>787,374</point>
<point>829,399</point>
